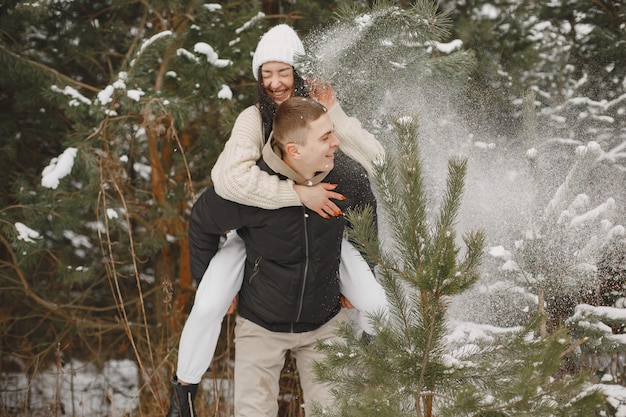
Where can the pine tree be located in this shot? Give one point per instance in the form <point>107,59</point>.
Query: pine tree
<point>387,59</point>
<point>519,373</point>
<point>402,371</point>
<point>108,242</point>
<point>413,366</point>
<point>133,102</point>
<point>556,258</point>
<point>127,105</point>
<point>570,53</point>
<point>553,267</point>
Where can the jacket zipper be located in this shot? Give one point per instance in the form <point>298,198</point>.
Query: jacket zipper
<point>255,269</point>
<point>306,267</point>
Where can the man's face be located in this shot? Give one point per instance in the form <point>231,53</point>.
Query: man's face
<point>278,81</point>
<point>318,154</point>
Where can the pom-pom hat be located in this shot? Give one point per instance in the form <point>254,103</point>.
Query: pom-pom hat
<point>279,44</point>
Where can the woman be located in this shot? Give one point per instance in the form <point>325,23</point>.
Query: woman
<point>236,177</point>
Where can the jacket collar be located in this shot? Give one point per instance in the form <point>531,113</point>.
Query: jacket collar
<point>273,158</point>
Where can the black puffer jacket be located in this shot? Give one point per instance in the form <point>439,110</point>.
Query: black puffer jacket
<point>291,278</point>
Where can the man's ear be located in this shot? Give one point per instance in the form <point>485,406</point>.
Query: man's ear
<point>292,150</point>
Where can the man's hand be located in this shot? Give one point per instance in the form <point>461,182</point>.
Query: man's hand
<point>345,303</point>
<point>233,306</point>
<point>322,92</point>
<point>317,198</point>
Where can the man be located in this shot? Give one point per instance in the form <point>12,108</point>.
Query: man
<point>290,296</point>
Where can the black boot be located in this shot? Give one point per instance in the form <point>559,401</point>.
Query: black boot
<point>181,404</point>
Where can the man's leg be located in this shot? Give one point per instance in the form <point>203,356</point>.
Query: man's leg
<point>306,354</point>
<point>259,359</point>
<point>220,284</point>
<point>359,285</point>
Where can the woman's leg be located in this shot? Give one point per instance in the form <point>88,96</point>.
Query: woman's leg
<point>219,286</point>
<point>359,285</point>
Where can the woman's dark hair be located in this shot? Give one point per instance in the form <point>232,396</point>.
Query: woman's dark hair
<point>267,106</point>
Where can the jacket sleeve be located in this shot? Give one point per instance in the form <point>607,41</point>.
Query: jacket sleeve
<point>236,176</point>
<point>354,183</point>
<point>356,142</point>
<point>211,216</point>
<point>367,198</point>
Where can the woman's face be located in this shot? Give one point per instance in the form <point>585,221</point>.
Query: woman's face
<point>278,81</point>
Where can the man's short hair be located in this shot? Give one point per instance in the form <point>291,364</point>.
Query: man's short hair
<point>292,119</point>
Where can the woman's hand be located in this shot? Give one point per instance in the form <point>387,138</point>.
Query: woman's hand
<point>317,198</point>
<point>322,92</point>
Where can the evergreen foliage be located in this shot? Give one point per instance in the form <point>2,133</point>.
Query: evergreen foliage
<point>124,104</point>
<point>555,267</point>
<point>402,371</point>
<point>558,257</point>
<point>95,268</point>
<point>520,374</point>
<point>133,102</point>
<point>570,53</point>
<point>133,94</point>
<point>413,366</point>
<point>383,59</point>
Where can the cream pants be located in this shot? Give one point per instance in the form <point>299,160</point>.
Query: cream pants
<point>259,359</point>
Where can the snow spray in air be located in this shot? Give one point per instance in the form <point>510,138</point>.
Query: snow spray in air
<point>385,68</point>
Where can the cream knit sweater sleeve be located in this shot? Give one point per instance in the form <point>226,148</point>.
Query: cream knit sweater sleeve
<point>356,142</point>
<point>236,176</point>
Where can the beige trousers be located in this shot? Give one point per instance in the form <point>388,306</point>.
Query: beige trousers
<point>259,359</point>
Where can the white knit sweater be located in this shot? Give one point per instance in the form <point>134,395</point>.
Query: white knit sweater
<point>236,176</point>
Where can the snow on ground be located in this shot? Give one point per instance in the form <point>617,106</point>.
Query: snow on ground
<point>81,389</point>
<point>84,391</point>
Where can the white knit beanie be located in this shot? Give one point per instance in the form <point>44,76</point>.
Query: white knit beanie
<point>279,44</point>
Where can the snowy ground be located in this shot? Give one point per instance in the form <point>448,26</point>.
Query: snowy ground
<point>82,390</point>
